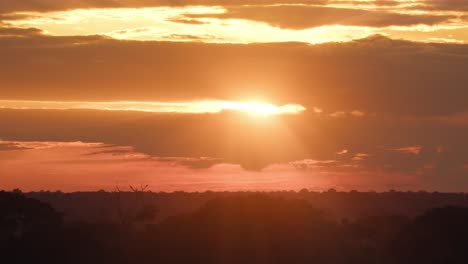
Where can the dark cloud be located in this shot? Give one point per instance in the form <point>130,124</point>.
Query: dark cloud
<point>8,7</point>
<point>428,5</point>
<point>301,17</point>
<point>443,5</point>
<point>13,17</point>
<point>56,5</point>
<point>374,144</point>
<point>19,32</point>
<point>374,75</point>
<point>113,151</point>
<point>379,3</point>
<point>187,21</point>
<point>386,3</point>
<point>199,163</point>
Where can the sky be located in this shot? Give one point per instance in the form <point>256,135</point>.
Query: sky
<point>199,95</point>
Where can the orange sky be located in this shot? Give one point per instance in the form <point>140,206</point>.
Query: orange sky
<point>234,95</point>
<point>71,166</point>
<point>308,21</point>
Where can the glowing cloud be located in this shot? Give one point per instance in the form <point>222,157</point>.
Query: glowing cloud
<point>218,24</point>
<point>169,24</point>
<point>213,106</point>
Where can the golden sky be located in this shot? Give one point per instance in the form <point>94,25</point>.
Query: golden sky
<point>309,21</point>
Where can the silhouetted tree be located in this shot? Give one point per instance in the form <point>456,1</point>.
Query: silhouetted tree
<point>250,229</point>
<point>28,228</point>
<point>438,236</point>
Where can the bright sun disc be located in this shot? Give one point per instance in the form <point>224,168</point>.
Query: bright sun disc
<point>258,108</point>
<point>263,109</point>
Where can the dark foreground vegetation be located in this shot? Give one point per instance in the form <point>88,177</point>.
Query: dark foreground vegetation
<point>236,228</point>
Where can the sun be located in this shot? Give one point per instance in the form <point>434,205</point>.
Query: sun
<point>260,108</point>
<point>256,108</point>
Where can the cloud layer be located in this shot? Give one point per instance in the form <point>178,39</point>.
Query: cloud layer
<point>426,150</point>
<point>375,75</point>
<point>314,21</point>
<point>302,17</point>
<point>378,110</point>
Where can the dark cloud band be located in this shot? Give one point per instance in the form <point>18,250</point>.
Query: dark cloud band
<point>301,17</point>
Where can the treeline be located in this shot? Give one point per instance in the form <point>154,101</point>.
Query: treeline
<point>112,206</point>
<point>247,228</point>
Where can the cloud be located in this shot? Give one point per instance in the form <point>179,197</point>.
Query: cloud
<point>442,5</point>
<point>313,164</point>
<point>56,5</point>
<point>38,145</point>
<point>360,156</point>
<point>7,146</point>
<point>456,119</point>
<point>192,162</point>
<point>187,21</point>
<point>386,3</point>
<point>369,74</point>
<point>205,106</point>
<point>410,97</point>
<point>277,23</point>
<point>341,114</point>
<point>375,3</point>
<point>416,90</point>
<point>342,152</point>
<point>426,5</point>
<point>301,17</point>
<point>338,114</point>
<point>186,37</point>
<point>19,32</point>
<point>241,140</point>
<point>14,17</point>
<point>414,150</point>
<point>112,150</point>
<point>66,168</point>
